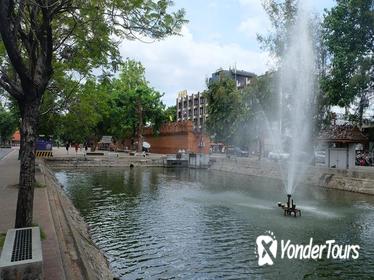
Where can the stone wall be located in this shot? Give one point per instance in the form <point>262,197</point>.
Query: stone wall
<point>81,258</point>
<point>359,179</point>
<point>104,161</point>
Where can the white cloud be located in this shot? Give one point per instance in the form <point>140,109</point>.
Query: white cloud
<point>253,26</point>
<point>181,62</point>
<point>257,21</point>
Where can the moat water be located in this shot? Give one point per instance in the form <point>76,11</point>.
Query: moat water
<point>155,223</point>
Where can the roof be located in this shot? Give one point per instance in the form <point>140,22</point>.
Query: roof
<point>236,72</point>
<point>243,73</point>
<point>342,134</point>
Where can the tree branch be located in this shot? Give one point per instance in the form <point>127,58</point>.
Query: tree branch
<point>10,42</point>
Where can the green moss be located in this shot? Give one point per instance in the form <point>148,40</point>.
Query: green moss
<point>38,185</point>
<point>43,236</point>
<point>2,239</point>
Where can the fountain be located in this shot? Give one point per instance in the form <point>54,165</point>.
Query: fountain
<point>296,87</point>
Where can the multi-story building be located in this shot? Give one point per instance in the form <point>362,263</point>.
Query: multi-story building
<point>242,78</point>
<point>192,107</point>
<point>195,108</point>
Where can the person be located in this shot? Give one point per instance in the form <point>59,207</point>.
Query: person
<point>76,148</point>
<point>85,147</point>
<point>67,148</point>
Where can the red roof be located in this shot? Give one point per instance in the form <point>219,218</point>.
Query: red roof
<point>342,134</point>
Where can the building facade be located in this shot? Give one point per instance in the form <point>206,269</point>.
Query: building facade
<point>195,108</point>
<point>242,78</point>
<point>176,136</point>
<point>192,108</point>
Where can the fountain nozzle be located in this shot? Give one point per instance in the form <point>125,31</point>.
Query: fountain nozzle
<point>288,200</point>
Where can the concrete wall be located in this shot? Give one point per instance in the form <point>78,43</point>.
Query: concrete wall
<point>357,179</point>
<point>80,253</point>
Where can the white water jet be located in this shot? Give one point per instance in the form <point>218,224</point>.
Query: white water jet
<point>297,87</point>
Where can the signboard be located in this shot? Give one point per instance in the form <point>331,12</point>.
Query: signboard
<point>43,144</point>
<point>182,94</point>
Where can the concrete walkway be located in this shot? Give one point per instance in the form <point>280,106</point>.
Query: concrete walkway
<point>9,172</point>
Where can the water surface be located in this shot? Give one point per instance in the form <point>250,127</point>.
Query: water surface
<point>197,224</point>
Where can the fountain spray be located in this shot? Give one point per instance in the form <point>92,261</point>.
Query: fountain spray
<point>297,89</point>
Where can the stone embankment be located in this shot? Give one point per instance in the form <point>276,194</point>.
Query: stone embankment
<point>105,161</point>
<point>81,258</point>
<point>360,179</point>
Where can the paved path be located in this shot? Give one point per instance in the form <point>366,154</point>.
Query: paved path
<point>4,152</point>
<point>9,172</point>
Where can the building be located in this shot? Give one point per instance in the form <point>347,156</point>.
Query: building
<point>16,138</point>
<point>342,141</point>
<point>176,136</point>
<point>192,108</point>
<point>242,78</point>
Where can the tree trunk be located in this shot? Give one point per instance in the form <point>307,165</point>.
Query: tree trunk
<point>29,113</point>
<point>361,111</point>
<point>140,127</point>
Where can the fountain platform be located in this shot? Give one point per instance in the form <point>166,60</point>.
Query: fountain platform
<point>289,208</point>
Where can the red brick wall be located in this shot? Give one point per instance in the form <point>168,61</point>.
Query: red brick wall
<point>176,136</point>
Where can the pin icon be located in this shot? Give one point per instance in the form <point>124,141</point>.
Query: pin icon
<point>266,249</point>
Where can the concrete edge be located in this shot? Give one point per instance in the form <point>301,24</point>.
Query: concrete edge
<point>80,252</point>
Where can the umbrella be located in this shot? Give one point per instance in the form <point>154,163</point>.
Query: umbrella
<point>146,145</point>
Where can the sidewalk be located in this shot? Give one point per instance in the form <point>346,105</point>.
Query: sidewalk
<point>9,172</point>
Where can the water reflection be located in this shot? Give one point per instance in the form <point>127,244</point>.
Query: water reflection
<point>163,223</point>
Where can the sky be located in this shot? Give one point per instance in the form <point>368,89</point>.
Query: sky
<point>220,34</point>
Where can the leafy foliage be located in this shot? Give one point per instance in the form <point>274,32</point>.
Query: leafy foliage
<point>170,114</point>
<point>281,15</point>
<point>225,109</point>
<point>349,38</point>
<point>8,124</point>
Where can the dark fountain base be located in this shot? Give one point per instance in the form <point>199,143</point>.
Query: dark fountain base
<point>289,208</point>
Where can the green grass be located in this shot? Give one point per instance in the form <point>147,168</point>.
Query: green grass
<point>2,239</point>
<point>42,233</point>
<point>38,185</point>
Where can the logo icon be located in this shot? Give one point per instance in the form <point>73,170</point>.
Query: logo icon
<point>266,248</point>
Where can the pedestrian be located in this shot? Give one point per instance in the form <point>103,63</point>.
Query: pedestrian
<point>85,147</point>
<point>76,148</point>
<point>67,148</point>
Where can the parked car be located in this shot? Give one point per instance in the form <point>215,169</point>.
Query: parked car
<point>236,151</point>
<point>278,156</point>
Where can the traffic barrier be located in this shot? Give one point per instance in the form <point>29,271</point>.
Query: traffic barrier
<point>43,154</point>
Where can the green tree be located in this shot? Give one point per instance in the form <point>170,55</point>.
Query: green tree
<point>8,124</point>
<point>42,39</point>
<point>349,38</point>
<point>171,114</point>
<point>225,109</point>
<point>134,104</point>
<point>261,104</point>
<point>281,15</point>
<point>88,107</point>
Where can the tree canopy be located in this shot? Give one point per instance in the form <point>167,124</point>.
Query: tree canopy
<point>43,43</point>
<point>225,108</point>
<point>348,32</point>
